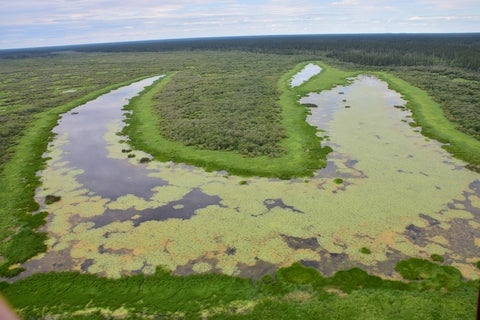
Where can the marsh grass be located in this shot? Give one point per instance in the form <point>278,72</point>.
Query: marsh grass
<point>293,292</point>
<point>426,274</point>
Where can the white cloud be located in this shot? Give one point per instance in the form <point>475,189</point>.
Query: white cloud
<point>451,4</point>
<point>445,18</point>
<point>24,22</point>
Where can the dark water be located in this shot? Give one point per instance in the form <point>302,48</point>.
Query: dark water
<point>86,149</point>
<point>180,209</point>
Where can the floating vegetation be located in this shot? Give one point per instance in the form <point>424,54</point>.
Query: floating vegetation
<point>338,180</point>
<point>50,198</point>
<point>473,167</point>
<point>145,160</point>
<point>437,258</point>
<point>365,250</point>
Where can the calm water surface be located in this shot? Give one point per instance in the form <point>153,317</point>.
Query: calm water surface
<point>305,74</point>
<point>85,127</point>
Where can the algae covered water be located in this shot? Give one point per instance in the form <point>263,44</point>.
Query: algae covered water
<point>386,188</point>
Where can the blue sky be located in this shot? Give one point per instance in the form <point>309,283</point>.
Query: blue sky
<point>34,23</point>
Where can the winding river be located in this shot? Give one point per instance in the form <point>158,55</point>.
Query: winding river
<point>386,188</point>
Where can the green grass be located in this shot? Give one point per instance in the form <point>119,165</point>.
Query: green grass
<point>428,114</point>
<point>338,180</point>
<point>365,250</point>
<point>303,153</point>
<point>430,275</point>
<point>437,257</point>
<point>296,292</point>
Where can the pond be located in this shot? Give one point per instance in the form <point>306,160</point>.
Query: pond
<point>305,74</point>
<point>386,188</point>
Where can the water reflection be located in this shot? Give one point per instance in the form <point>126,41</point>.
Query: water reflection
<point>86,149</point>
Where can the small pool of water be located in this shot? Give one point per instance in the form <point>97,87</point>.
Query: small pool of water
<point>305,74</point>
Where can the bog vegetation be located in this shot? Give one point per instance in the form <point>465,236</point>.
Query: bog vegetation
<point>223,95</point>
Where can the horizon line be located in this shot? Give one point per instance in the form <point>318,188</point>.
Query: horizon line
<point>66,46</point>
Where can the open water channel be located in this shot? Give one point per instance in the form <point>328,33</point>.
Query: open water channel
<point>400,195</point>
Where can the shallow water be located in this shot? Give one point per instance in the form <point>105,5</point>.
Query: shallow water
<point>402,195</point>
<point>86,150</point>
<point>305,74</point>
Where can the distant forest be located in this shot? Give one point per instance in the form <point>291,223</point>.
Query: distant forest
<point>452,50</point>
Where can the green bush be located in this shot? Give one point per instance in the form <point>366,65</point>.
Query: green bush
<point>437,258</point>
<point>365,250</point>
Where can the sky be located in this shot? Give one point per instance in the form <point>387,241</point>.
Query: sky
<point>38,23</point>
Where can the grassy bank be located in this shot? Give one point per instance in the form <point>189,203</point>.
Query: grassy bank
<point>428,291</point>
<point>428,114</point>
<point>303,153</point>
<point>19,182</point>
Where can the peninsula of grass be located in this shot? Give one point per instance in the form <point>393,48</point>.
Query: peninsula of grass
<point>302,152</point>
<point>429,115</point>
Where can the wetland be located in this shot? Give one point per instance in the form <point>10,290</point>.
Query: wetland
<point>385,187</point>
<point>238,183</point>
